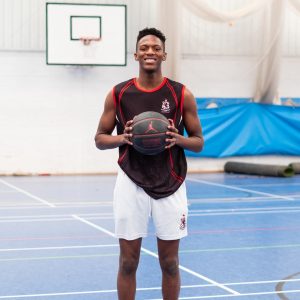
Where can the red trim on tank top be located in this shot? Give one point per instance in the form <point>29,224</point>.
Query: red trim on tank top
<point>114,97</point>
<point>124,154</point>
<point>128,84</point>
<point>182,99</point>
<point>175,98</point>
<point>150,91</point>
<point>178,178</point>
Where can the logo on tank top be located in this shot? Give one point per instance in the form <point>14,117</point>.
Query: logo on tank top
<point>165,106</point>
<point>182,222</point>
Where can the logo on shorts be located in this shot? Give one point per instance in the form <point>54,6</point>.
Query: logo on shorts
<point>182,222</point>
<point>165,106</point>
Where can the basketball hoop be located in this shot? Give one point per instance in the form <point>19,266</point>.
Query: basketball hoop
<point>86,41</point>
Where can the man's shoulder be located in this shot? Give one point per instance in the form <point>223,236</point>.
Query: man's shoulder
<point>122,84</point>
<point>175,83</point>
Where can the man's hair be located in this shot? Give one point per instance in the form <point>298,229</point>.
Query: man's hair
<point>151,31</point>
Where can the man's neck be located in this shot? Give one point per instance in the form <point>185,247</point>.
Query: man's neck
<point>149,81</point>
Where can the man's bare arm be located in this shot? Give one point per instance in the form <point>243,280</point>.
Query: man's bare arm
<point>104,138</point>
<point>194,141</point>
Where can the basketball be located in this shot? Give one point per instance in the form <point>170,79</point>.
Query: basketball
<point>149,132</point>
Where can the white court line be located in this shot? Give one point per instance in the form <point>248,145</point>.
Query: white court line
<point>59,248</point>
<point>70,203</point>
<point>54,294</point>
<point>240,189</point>
<point>240,295</point>
<point>269,208</point>
<point>36,220</point>
<point>55,216</point>
<point>39,206</point>
<point>26,193</point>
<point>292,211</point>
<point>143,289</point>
<point>191,211</point>
<point>270,184</point>
<point>230,200</point>
<point>191,214</point>
<point>156,256</point>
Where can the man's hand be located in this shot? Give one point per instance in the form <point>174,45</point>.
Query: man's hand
<point>127,134</point>
<point>173,135</point>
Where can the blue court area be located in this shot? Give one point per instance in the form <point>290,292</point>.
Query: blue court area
<point>56,237</point>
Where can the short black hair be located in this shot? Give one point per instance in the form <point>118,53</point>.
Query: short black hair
<point>151,31</point>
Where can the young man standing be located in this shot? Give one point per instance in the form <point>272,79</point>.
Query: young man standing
<point>150,184</point>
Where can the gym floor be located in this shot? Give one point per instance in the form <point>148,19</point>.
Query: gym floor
<point>57,239</point>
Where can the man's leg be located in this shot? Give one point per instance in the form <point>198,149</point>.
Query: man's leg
<point>128,263</point>
<point>169,263</point>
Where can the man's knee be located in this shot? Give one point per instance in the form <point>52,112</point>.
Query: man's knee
<point>170,266</point>
<point>128,266</point>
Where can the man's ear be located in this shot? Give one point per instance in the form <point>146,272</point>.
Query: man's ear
<point>164,56</point>
<point>135,56</point>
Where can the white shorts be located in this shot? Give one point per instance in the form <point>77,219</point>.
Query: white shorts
<point>133,208</point>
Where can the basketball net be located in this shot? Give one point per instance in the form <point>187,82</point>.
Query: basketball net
<point>89,46</point>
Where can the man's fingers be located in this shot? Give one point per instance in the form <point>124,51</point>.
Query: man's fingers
<point>127,129</point>
<point>128,123</point>
<point>171,142</point>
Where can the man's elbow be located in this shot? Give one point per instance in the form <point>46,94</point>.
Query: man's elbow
<point>200,145</point>
<point>98,142</point>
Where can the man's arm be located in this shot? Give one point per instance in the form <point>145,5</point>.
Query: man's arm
<point>104,138</point>
<point>194,141</point>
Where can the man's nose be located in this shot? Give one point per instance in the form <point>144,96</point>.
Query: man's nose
<point>150,50</point>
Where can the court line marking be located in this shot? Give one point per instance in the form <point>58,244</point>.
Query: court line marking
<point>271,184</point>
<point>269,208</point>
<point>54,294</point>
<point>49,216</point>
<point>191,214</point>
<point>241,248</point>
<point>80,256</point>
<point>156,256</point>
<point>143,289</point>
<point>18,207</point>
<point>59,204</point>
<point>63,237</point>
<point>240,189</point>
<point>240,295</point>
<point>208,214</point>
<point>39,220</point>
<point>159,288</point>
<point>235,200</point>
<point>26,193</point>
<point>56,215</point>
<point>59,248</point>
<point>63,257</point>
<point>242,283</point>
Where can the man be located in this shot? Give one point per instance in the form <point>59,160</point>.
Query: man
<point>150,184</point>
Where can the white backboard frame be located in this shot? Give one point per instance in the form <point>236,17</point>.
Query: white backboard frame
<point>66,23</point>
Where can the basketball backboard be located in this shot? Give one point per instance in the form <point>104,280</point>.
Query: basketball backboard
<point>86,34</point>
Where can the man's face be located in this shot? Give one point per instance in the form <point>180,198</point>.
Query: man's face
<point>150,53</point>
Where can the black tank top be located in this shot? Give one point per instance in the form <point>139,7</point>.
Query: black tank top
<point>162,174</point>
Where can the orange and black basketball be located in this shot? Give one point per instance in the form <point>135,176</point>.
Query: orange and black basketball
<point>149,132</point>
